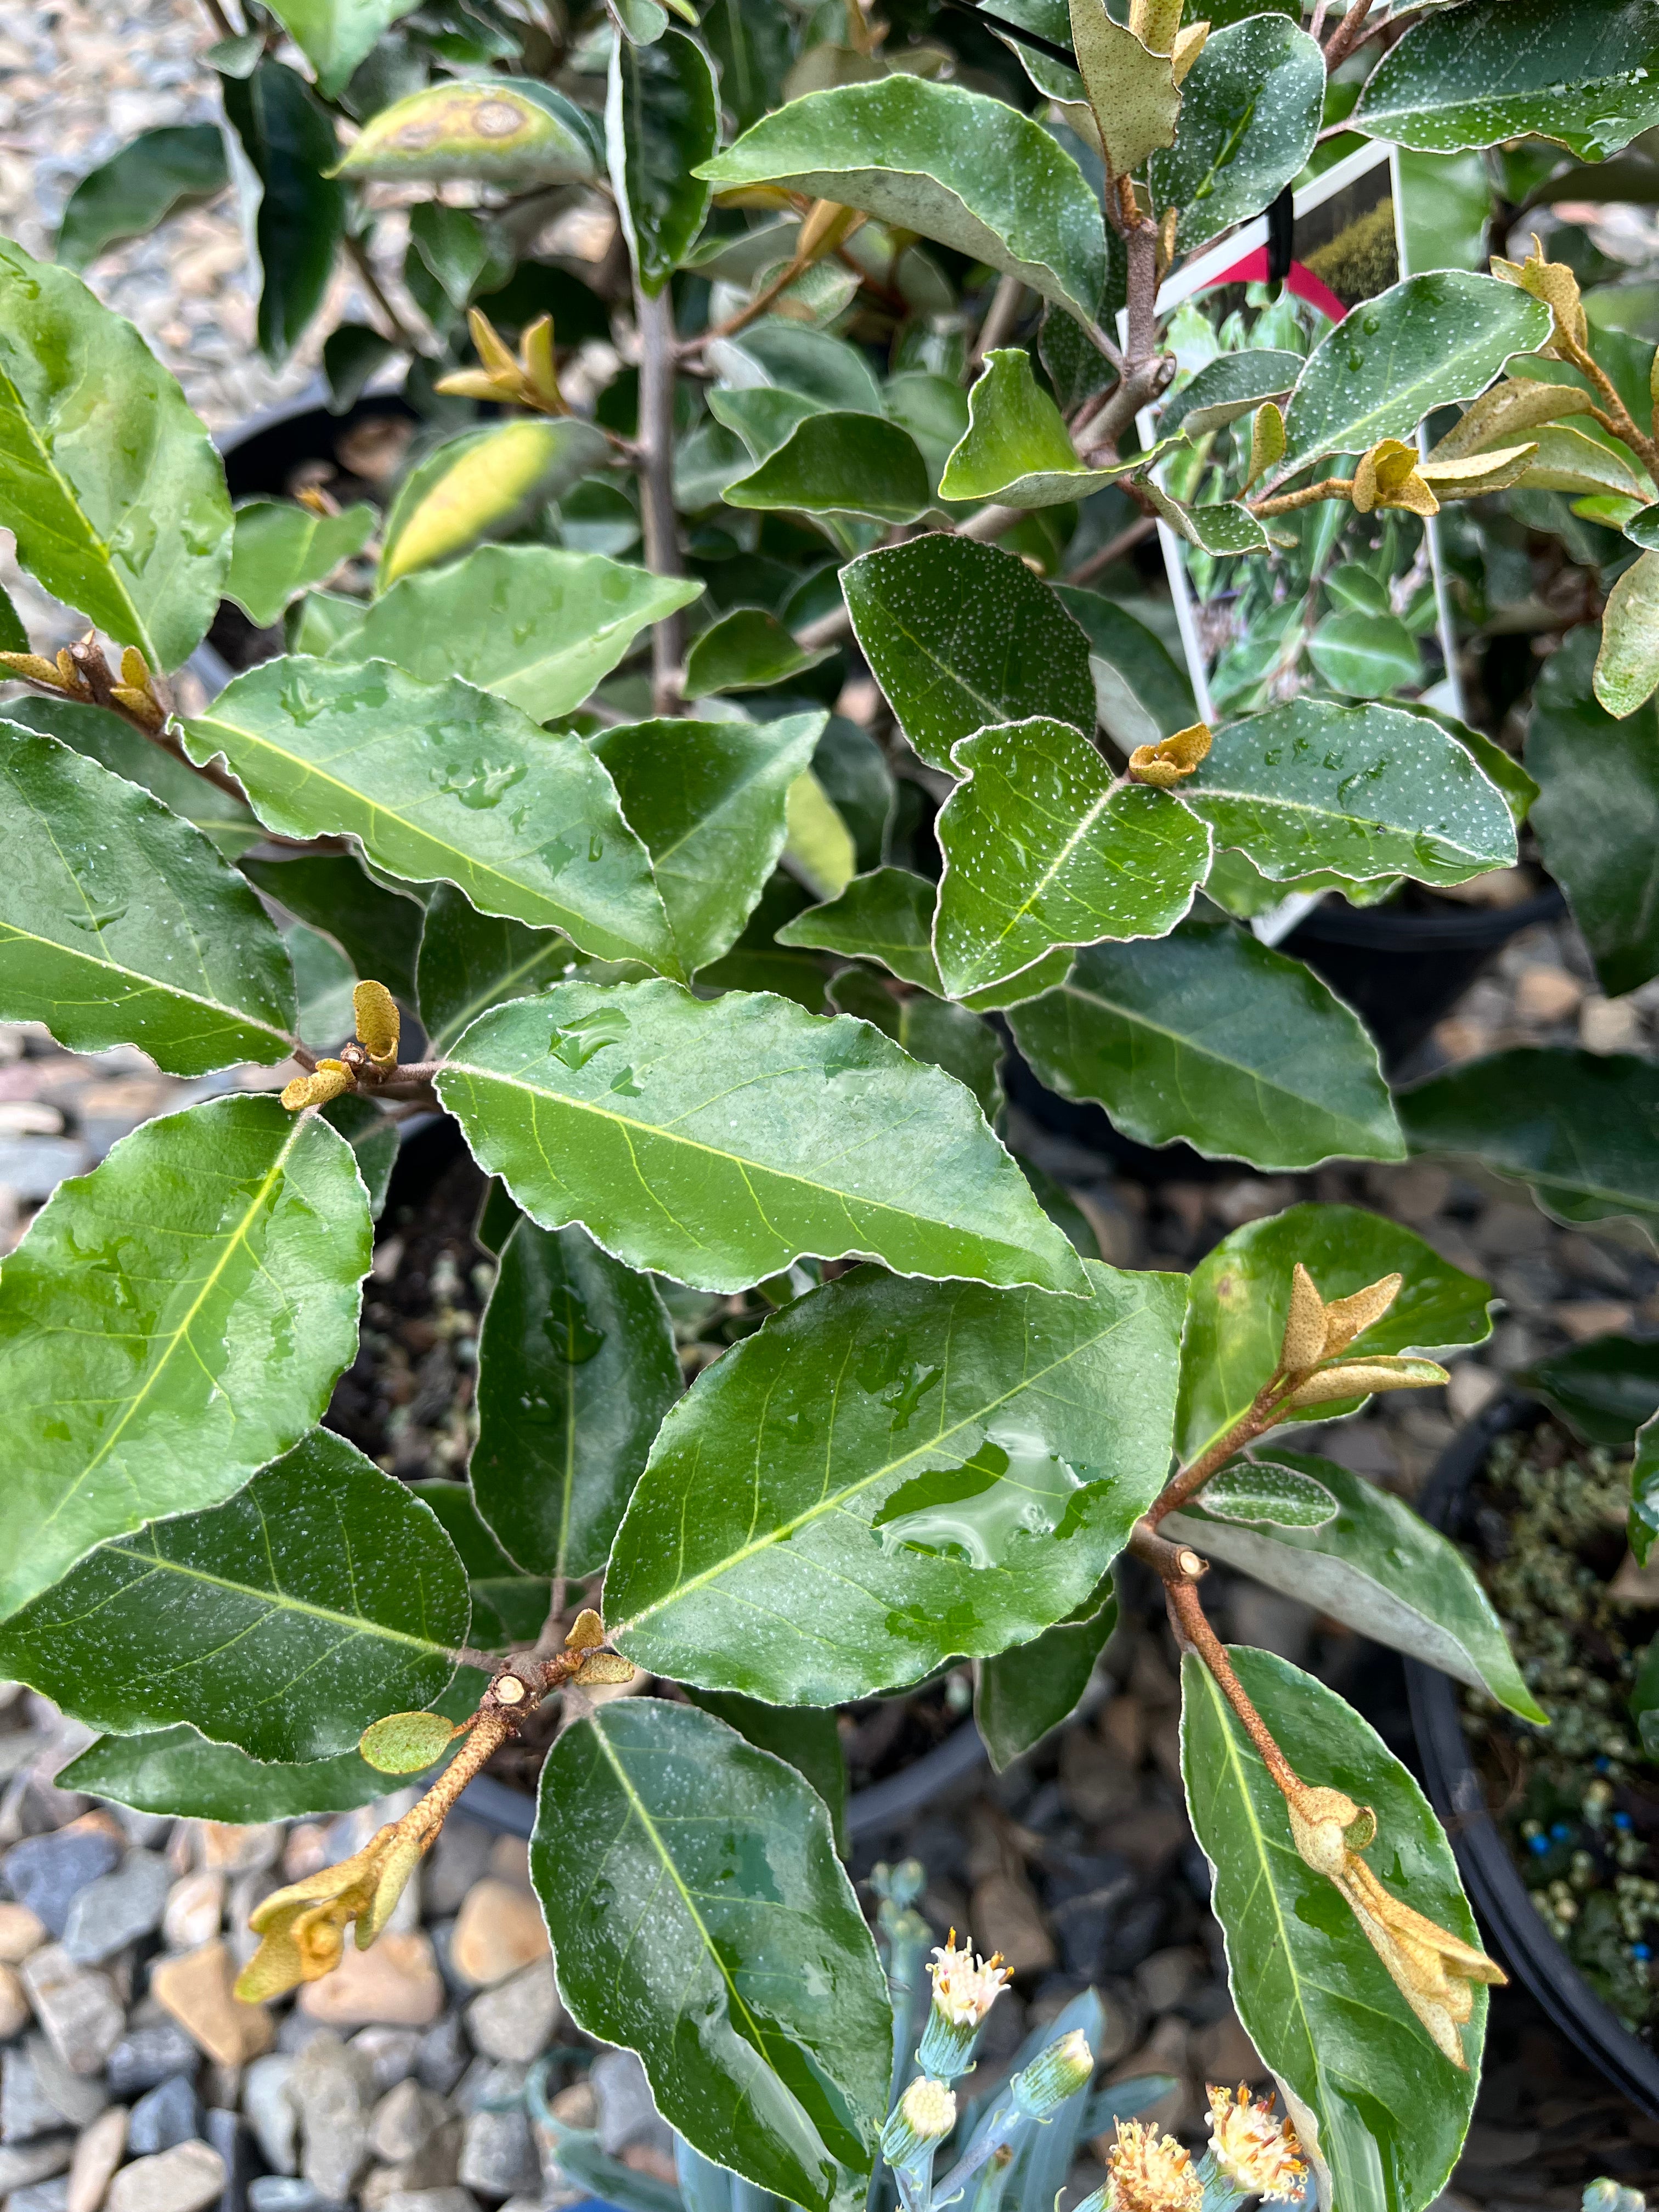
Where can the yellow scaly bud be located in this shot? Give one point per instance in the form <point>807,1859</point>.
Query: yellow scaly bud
<point>376,1011</point>
<point>332,1079</point>
<point>1165,764</point>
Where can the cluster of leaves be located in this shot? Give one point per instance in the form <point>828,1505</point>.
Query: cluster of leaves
<point>720,996</point>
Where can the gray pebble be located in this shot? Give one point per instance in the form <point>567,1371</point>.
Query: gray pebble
<point>41,2196</point>
<point>270,2111</point>
<point>164,2116</point>
<point>24,2163</point>
<point>76,2006</point>
<point>226,2133</point>
<point>626,2112</point>
<point>117,1908</point>
<point>441,2060</point>
<point>39,2094</point>
<point>498,2155</point>
<point>32,1167</point>
<point>391,2052</point>
<point>517,2018</point>
<point>47,1873</point>
<point>148,2054</point>
<point>281,2192</point>
<point>459,1858</point>
<point>333,2090</point>
<point>405,2121</point>
<point>428,2200</point>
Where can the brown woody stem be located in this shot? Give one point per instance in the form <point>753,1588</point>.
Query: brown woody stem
<point>1265,1410</point>
<point>1309,495</point>
<point>1346,35</point>
<point>655,320</point>
<point>1191,1625</point>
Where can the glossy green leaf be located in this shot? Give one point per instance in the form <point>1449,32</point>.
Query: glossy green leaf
<point>373,1137</point>
<point>1644,1493</point>
<point>538,626</point>
<point>1023,1693</point>
<point>888,917</point>
<point>334,35</point>
<point>1208,1036</point>
<point>1140,693</point>
<point>1041,848</point>
<point>950,164</point>
<point>1269,1490</point>
<point>1251,107</point>
<point>1231,385</point>
<point>889,1472</point>
<point>325,979</point>
<point>120,924</point>
<point>1627,666</point>
<point>103,737</point>
<point>707,799</point>
<point>1580,1127</point>
<point>1392,360</point>
<point>715,1898</point>
<point>1366,791</point>
<point>576,1369</point>
<point>513,131</point>
<point>176,165</point>
<point>1380,2110</point>
<point>960,635</point>
<point>172,1321</point>
<point>379,929</point>
<point>788,356</point>
<point>1016,448</point>
<point>281,550</point>
<point>1586,75</point>
<point>483,485</point>
<point>805,1737</point>
<point>1606,1389</point>
<point>1377,1567</point>
<point>662,119</point>
<point>176,1770</point>
<point>1364,654</point>
<point>107,482</point>
<point>508,1607</point>
<point>283,1622</point>
<point>1240,1296</point>
<point>418,774</point>
<point>1131,89</point>
<point>289,140</point>
<point>747,650</point>
<point>1597,813</point>
<point>1642,529</point>
<point>470,962</point>
<point>831,1141</point>
<point>1499,767</point>
<point>851,464</point>
<point>930,1029</point>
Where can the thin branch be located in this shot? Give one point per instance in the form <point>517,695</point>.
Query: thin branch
<point>1263,1413</point>
<point>1346,35</point>
<point>1309,495</point>
<point>1113,550</point>
<point>397,327</point>
<point>999,319</point>
<point>1192,1627</point>
<point>655,322</point>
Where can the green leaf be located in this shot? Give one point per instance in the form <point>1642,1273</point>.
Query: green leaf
<point>1042,847</point>
<point>325,979</point>
<point>514,133</point>
<point>1221,528</point>
<point>379,929</point>
<point>281,550</point>
<point>1597,814</point>
<point>747,650</point>
<point>172,1321</point>
<point>154,173</point>
<point>103,737</point>
<point>889,1472</point>
<point>708,800</point>
<point>470,962</point>
<point>289,142</point>
<point>418,772</point>
<point>576,1369</point>
<point>717,1898</point>
<point>373,1137</point>
<point>508,1606</point>
<point>960,635</point>
<point>931,1030</point>
<point>14,637</point>
<point>405,1743</point>
<point>750,43</point>
<point>1606,1389</point>
<point>1644,1493</point>
<point>935,411</point>
<point>1016,448</point>
<point>119,924</point>
<point>1364,654</point>
<point>950,164</point>
<point>1584,76</point>
<point>176,1770</point>
<point>1642,529</point>
<point>1500,768</point>
<point>1140,695</point>
<point>805,1737</point>
<point>1208,1036</point>
<point>538,626</point>
<point>284,1621</point>
<point>1392,360</point>
<point>819,850</point>
<point>662,119</point>
<point>1366,791</point>
<point>1377,1567</point>
<point>1382,2113</point>
<point>1231,385</point>
<point>792,357</point>
<point>1023,1693</point>
<point>888,917</point>
<point>832,1142</point>
<point>1131,90</point>
<point>1266,1490</point>
<point>1580,1127</point>
<point>1250,109</point>
<point>1240,1297</point>
<point>852,770</point>
<point>483,485</point>
<point>108,482</point>
<point>1627,666</point>
<point>839,464</point>
<point>334,35</point>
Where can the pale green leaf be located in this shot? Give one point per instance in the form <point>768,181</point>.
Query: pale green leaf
<point>1250,109</point>
<point>483,485</point>
<point>334,35</point>
<point>840,464</point>
<point>662,119</point>
<point>1627,666</point>
<point>178,165</point>
<point>888,917</point>
<point>1132,91</point>
<point>819,849</point>
<point>513,131</point>
<point>747,650</point>
<point>281,550</point>
<point>1363,654</point>
<point>1269,1490</point>
<point>1016,448</point>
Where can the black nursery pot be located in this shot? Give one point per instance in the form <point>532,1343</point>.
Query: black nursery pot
<point>1501,1898</point>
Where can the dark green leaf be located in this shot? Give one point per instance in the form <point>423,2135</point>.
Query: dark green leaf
<point>1366,655</point>
<point>1250,109</point>
<point>929,1029</point>
<point>832,1141</point>
<point>1231,385</point>
<point>576,1369</point>
<point>175,1770</point>
<point>378,929</point>
<point>747,650</point>
<point>1627,666</point>
<point>172,1321</point>
<point>840,464</point>
<point>508,1606</point>
<point>716,1896</point>
<point>1023,1693</point>
<point>373,1137</point>
<point>289,142</point>
<point>1207,1035</point>
<point>1501,769</point>
<point>321,1597</point>
<point>1016,447</point>
<point>1642,529</point>
<point>513,132</point>
<point>103,737</point>
<point>14,637</point>
<point>959,635</point>
<point>126,196</point>
<point>325,979</point>
<point>890,1473</point>
<point>1140,693</point>
<point>805,1737</point>
<point>334,35</point>
<point>888,917</point>
<point>662,119</point>
<point>1606,1388</point>
<point>353,354</point>
<point>470,962</point>
<point>281,550</point>
<point>484,484</point>
<point>750,40</point>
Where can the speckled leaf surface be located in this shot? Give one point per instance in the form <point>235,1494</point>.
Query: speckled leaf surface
<point>1383,2112</point>
<point>576,1369</point>
<point>119,924</point>
<point>470,962</point>
<point>890,1472</point>
<point>1043,849</point>
<point>716,1935</point>
<point>177,1771</point>
<point>718,1141</point>
<point>1367,791</point>
<point>960,635</point>
<point>172,1321</point>
<point>887,916</point>
<point>840,464</point>
<point>953,164</point>
<point>1250,110</point>
<point>321,1597</point>
<point>1207,1035</point>
<point>441,781</point>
